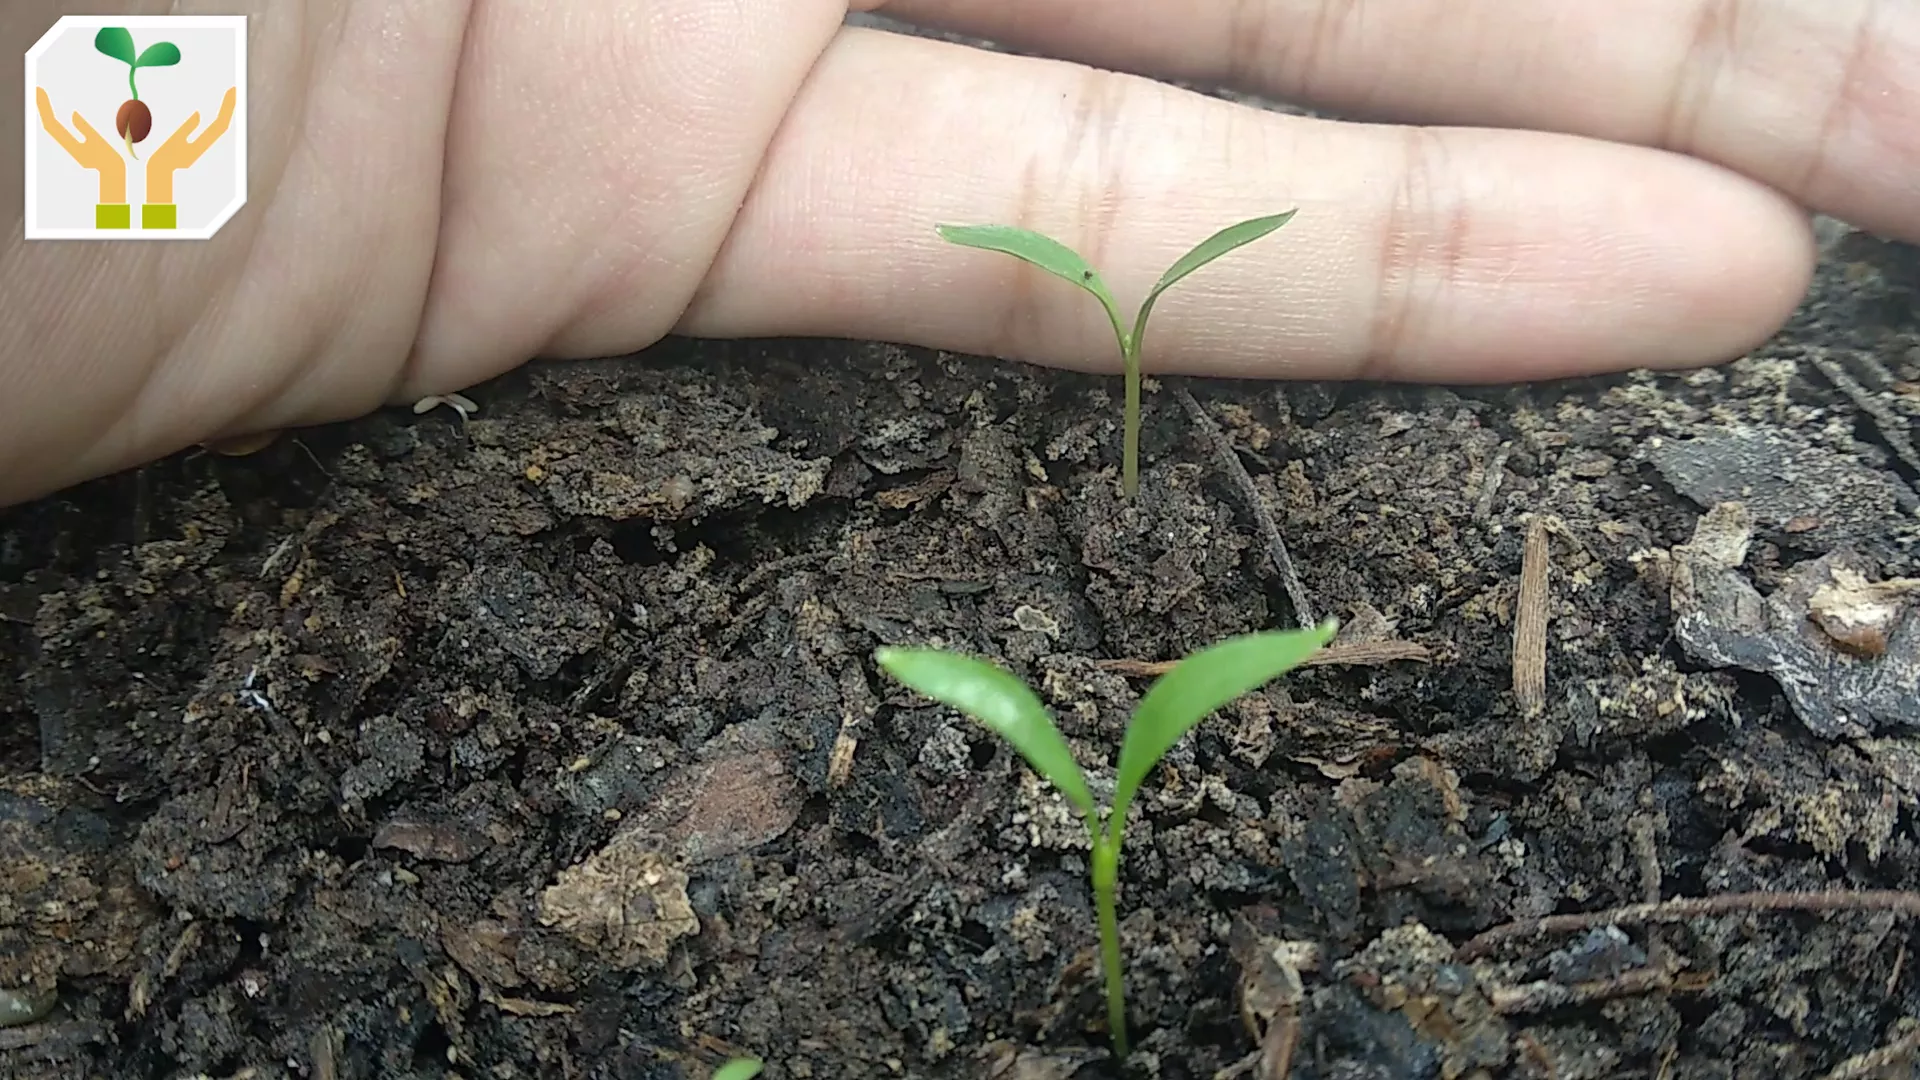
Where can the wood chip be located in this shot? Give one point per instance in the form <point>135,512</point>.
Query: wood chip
<point>915,494</point>
<point>1530,624</point>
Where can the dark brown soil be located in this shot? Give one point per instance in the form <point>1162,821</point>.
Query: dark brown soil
<point>550,744</point>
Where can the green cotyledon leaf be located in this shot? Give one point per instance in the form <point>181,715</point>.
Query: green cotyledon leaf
<point>738,1069</point>
<point>1193,689</point>
<point>1206,251</point>
<point>1044,252</point>
<point>159,54</point>
<point>116,42</point>
<point>998,701</point>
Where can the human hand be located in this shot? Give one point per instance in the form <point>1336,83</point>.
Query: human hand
<point>584,180</point>
<point>89,151</point>
<point>181,150</point>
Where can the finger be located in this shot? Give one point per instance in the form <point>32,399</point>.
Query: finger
<point>87,131</point>
<point>1816,99</point>
<point>53,126</point>
<point>1432,254</point>
<point>583,201</point>
<point>221,120</point>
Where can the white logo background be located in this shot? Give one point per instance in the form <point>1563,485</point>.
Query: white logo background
<point>61,195</point>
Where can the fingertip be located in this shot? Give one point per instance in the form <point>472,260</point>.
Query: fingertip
<point>1604,258</point>
<point>1730,260</point>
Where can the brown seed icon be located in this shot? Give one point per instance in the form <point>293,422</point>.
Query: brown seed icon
<point>134,121</point>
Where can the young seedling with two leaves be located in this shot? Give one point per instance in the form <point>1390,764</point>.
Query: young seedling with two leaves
<point>1178,700</point>
<point>1063,262</point>
<point>134,121</point>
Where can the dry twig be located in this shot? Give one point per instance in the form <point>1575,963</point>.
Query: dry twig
<point>1684,909</point>
<point>1892,427</point>
<point>781,565</point>
<point>1530,624</point>
<point>1490,481</point>
<point>1262,518</point>
<point>1536,997</point>
<point>1271,994</point>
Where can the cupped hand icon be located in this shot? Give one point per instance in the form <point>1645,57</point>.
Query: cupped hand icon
<point>182,149</point>
<point>89,149</point>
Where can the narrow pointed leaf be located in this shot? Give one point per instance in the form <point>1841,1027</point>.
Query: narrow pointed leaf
<point>738,1069</point>
<point>159,54</point>
<point>1042,251</point>
<point>998,701</point>
<point>1219,244</point>
<point>116,42</point>
<point>1196,687</point>
<point>1204,252</point>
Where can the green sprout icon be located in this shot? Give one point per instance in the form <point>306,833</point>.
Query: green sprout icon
<point>134,121</point>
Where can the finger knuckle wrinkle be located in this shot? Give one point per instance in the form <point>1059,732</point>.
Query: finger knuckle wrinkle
<point>1713,47</point>
<point>1425,244</point>
<point>1863,76</point>
<point>1071,189</point>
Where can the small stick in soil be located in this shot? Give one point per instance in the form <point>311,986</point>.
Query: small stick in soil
<point>1262,518</point>
<point>324,1047</point>
<point>780,566</point>
<point>1538,997</point>
<point>1646,855</point>
<point>1891,426</point>
<point>54,1040</point>
<point>1270,997</point>
<point>1365,653</point>
<point>857,705</point>
<point>1683,909</point>
<point>1490,484</point>
<point>1530,624</point>
<point>1276,1050</point>
<point>1875,1063</point>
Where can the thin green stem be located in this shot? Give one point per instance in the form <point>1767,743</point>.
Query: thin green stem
<point>1130,440</point>
<point>133,70</point>
<point>1106,875</point>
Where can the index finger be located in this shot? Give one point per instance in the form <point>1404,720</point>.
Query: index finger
<point>52,123</point>
<point>1817,100</point>
<point>220,120</point>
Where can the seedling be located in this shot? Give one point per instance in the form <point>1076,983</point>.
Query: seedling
<point>738,1069</point>
<point>1178,700</point>
<point>134,121</point>
<point>1063,262</point>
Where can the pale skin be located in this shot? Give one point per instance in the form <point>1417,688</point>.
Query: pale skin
<point>444,189</point>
